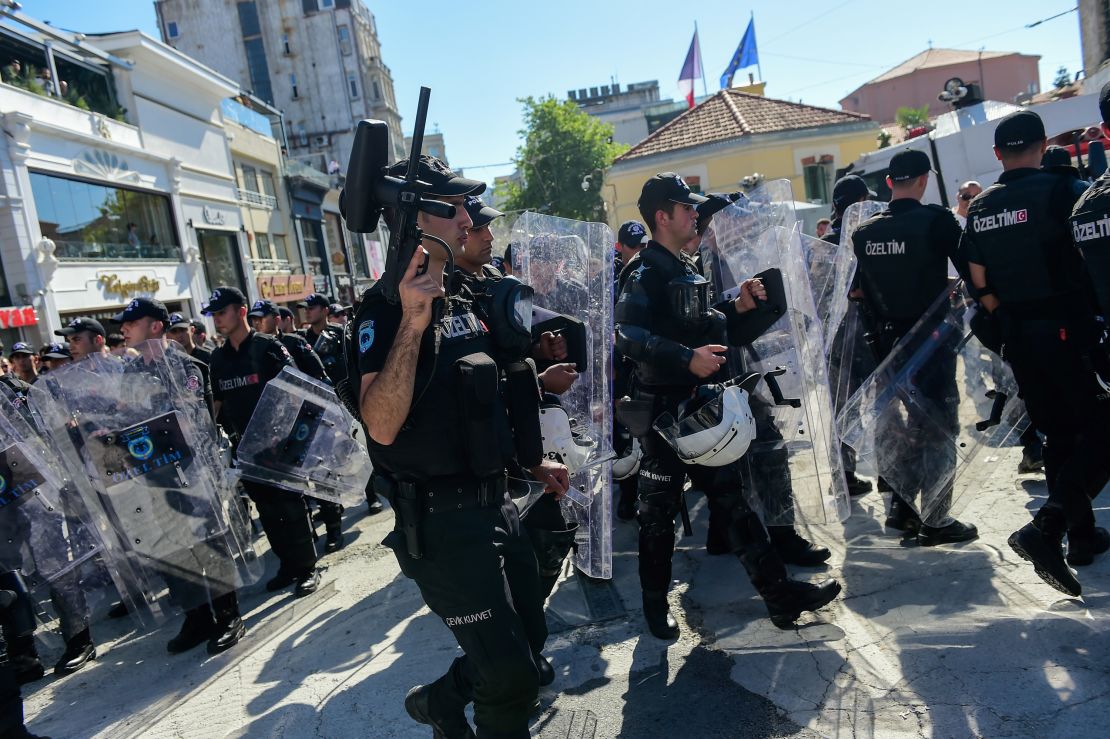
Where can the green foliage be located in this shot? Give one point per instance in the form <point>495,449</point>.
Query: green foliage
<point>1062,78</point>
<point>563,146</point>
<point>884,139</point>
<point>909,117</point>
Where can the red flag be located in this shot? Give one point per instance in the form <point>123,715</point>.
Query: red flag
<point>691,70</point>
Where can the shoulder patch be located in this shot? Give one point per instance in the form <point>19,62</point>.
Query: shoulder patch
<point>365,336</point>
<point>192,382</point>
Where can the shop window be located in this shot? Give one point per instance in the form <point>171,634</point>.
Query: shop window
<point>89,221</point>
<point>219,253</point>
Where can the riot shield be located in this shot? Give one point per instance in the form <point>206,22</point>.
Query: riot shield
<point>569,264</point>
<point>301,438</point>
<point>793,468</point>
<point>939,405</point>
<point>138,429</point>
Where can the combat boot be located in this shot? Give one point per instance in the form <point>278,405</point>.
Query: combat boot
<point>24,659</point>
<point>229,628</point>
<point>307,583</point>
<point>953,532</point>
<point>79,652</point>
<point>444,726</point>
<point>1083,546</point>
<point>1041,543</point>
<point>657,613</point>
<point>196,630</point>
<point>794,549</point>
<point>785,599</point>
<point>856,486</point>
<point>543,666</point>
<point>334,541</point>
<point>902,516</point>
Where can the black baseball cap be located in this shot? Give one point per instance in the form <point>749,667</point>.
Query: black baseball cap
<point>262,308</point>
<point>715,204</point>
<point>176,319</point>
<point>56,351</point>
<point>668,187</point>
<point>436,173</point>
<point>78,325</point>
<point>143,308</point>
<point>850,189</point>
<point>199,325</point>
<point>632,234</point>
<point>335,309</point>
<point>480,213</point>
<point>1056,156</point>
<point>1018,130</point>
<point>285,312</point>
<point>1104,102</point>
<point>908,164</point>
<point>21,347</point>
<point>222,297</point>
<point>315,300</point>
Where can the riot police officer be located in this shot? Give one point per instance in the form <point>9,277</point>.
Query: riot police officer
<point>440,437</point>
<point>184,332</point>
<point>240,370</point>
<point>903,255</point>
<point>666,327</point>
<point>1030,276</point>
<point>631,238</point>
<point>1090,222</point>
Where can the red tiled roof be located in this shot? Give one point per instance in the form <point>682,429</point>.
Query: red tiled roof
<point>730,115</point>
<point>937,58</point>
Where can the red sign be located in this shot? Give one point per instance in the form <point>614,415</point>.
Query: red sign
<point>16,317</point>
<point>285,288</point>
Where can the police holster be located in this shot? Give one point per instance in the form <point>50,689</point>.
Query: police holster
<point>479,389</point>
<point>405,499</point>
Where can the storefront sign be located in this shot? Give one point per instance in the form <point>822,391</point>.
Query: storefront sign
<point>285,288</point>
<point>213,216</point>
<point>323,284</point>
<point>114,285</point>
<point>16,317</point>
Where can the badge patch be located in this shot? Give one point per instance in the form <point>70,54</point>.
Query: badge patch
<point>365,336</point>
<point>192,382</point>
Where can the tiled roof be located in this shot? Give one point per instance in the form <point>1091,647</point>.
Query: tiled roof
<point>730,115</point>
<point>936,58</point>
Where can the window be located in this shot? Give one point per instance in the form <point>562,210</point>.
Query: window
<point>256,51</point>
<point>352,84</point>
<point>377,90</point>
<point>171,30</point>
<point>344,40</point>
<point>249,178</point>
<point>817,178</point>
<point>248,19</point>
<point>293,84</point>
<point>268,187</point>
<point>219,253</point>
<point>88,221</point>
<point>280,251</point>
<point>262,246</point>
<point>327,3</point>
<point>285,48</point>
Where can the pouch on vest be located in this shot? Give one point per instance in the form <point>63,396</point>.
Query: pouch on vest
<point>636,415</point>
<point>478,386</point>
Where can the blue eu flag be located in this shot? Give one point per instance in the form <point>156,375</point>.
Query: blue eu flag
<point>746,56</point>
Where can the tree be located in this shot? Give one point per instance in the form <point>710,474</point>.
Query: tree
<point>908,117</point>
<point>1062,78</point>
<point>884,138</point>
<point>562,160</point>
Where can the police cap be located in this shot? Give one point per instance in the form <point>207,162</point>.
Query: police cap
<point>480,213</point>
<point>908,164</point>
<point>143,308</point>
<point>632,234</point>
<point>1018,130</point>
<point>284,312</point>
<point>176,319</point>
<point>56,351</point>
<point>78,325</point>
<point>436,173</point>
<point>850,189</point>
<point>21,347</point>
<point>315,300</point>
<point>198,326</point>
<point>222,297</point>
<point>668,187</point>
<point>263,308</point>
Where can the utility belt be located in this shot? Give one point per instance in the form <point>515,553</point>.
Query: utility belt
<point>414,501</point>
<point>885,334</point>
<point>638,411</point>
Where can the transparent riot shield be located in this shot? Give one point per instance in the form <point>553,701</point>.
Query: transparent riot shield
<point>830,274</point>
<point>139,431</point>
<point>51,552</point>
<point>793,468</point>
<point>301,438</point>
<point>569,264</point>
<point>932,416</point>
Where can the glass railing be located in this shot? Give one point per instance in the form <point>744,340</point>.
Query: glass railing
<point>295,169</point>
<point>93,251</point>
<point>246,117</point>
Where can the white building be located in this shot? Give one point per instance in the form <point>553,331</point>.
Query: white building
<point>118,184</point>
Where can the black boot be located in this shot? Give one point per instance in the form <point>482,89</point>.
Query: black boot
<point>445,725</point>
<point>18,624</point>
<point>196,630</point>
<point>543,666</point>
<point>657,613</point>
<point>902,516</point>
<point>24,659</point>
<point>229,628</point>
<point>334,541</point>
<point>1041,543</point>
<point>1084,545</point>
<point>79,651</point>
<point>856,486</point>
<point>785,599</point>
<point>283,579</point>
<point>951,533</point>
<point>374,504</point>
<point>795,549</point>
<point>307,583</point>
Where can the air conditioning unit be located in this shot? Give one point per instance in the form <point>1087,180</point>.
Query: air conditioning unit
<point>320,141</point>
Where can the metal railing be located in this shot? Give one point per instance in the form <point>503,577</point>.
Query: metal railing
<point>80,251</point>
<point>250,197</point>
<point>272,265</point>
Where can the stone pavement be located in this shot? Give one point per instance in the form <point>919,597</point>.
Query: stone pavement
<point>956,641</point>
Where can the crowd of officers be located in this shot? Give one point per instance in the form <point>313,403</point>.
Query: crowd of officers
<point>448,390</point>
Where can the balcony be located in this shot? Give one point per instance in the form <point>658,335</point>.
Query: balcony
<point>80,251</point>
<point>250,197</point>
<point>246,117</point>
<point>295,170</point>
<point>280,266</point>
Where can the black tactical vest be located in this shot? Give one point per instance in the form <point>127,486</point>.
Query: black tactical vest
<point>901,270</point>
<point>1090,231</point>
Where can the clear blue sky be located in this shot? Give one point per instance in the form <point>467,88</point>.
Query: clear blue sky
<point>491,52</point>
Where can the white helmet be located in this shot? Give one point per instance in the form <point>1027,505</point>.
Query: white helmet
<point>714,428</point>
<point>561,439</point>
<point>628,465</point>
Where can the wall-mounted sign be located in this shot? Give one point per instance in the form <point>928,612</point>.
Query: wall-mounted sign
<point>213,216</point>
<point>114,285</point>
<point>16,317</point>
<point>285,288</point>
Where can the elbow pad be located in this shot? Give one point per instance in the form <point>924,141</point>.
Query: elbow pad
<point>639,345</point>
<point>523,401</point>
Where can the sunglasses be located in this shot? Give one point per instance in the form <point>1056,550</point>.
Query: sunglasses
<point>966,196</point>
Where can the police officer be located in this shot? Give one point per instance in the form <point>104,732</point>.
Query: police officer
<point>240,370</point>
<point>847,190</point>
<point>287,321</point>
<point>84,336</point>
<point>440,437</point>
<point>55,355</point>
<point>665,325</point>
<point>22,358</point>
<point>1090,222</point>
<point>200,336</point>
<point>631,238</point>
<point>181,329</point>
<point>903,255</point>
<point>1031,278</point>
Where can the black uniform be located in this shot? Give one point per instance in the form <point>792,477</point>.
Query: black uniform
<point>329,346</point>
<point>659,341</point>
<point>457,532</point>
<point>1090,230</point>
<point>239,376</point>
<point>306,360</point>
<point>1019,231</point>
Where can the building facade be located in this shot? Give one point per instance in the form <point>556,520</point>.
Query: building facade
<point>318,61</point>
<point>120,186</point>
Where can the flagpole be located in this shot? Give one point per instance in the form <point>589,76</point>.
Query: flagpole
<point>758,67</point>
<point>704,89</point>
